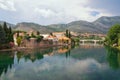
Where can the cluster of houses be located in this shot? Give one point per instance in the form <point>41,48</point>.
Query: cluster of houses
<point>56,38</point>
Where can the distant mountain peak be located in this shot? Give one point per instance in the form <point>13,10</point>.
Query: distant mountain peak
<point>101,25</point>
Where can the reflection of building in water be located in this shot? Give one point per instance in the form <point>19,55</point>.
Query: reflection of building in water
<point>6,61</point>
<point>59,50</point>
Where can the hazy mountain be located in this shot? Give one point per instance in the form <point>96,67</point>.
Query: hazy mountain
<point>8,24</point>
<point>101,25</point>
<point>83,26</point>
<point>24,26</point>
<point>104,23</point>
<point>58,27</point>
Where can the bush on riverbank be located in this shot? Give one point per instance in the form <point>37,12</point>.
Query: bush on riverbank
<point>113,36</point>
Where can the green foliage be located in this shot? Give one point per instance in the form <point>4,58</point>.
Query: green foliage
<point>27,37</point>
<point>2,35</point>
<point>113,57</point>
<point>76,39</point>
<point>8,33</point>
<point>33,36</point>
<point>113,33</point>
<point>6,36</point>
<point>68,34</point>
<point>38,33</point>
<point>39,38</point>
<point>19,40</point>
<point>51,34</point>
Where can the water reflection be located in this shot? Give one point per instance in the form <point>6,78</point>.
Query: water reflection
<point>113,57</point>
<point>61,63</point>
<point>8,59</point>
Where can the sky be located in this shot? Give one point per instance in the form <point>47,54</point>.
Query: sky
<point>47,12</point>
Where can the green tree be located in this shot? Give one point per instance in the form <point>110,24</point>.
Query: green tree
<point>6,31</point>
<point>39,38</point>
<point>5,27</point>
<point>19,40</point>
<point>38,33</point>
<point>33,36</point>
<point>51,34</point>
<point>67,33</point>
<point>2,35</point>
<point>10,35</point>
<point>112,36</point>
<point>119,39</point>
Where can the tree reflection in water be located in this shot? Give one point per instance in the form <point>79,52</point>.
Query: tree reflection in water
<point>8,59</point>
<point>113,57</point>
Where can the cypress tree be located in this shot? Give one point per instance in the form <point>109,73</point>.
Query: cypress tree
<point>5,27</point>
<point>6,32</point>
<point>2,35</point>
<point>67,33</point>
<point>10,35</point>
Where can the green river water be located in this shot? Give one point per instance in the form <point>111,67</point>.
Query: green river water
<point>61,63</point>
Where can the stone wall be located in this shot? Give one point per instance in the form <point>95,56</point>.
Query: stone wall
<point>33,43</point>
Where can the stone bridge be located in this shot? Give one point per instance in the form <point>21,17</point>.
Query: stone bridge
<point>90,40</point>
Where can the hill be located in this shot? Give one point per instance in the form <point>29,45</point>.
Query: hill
<point>101,25</point>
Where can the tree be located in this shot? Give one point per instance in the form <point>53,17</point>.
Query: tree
<point>112,36</point>
<point>39,38</point>
<point>5,27</point>
<point>32,35</point>
<point>10,35</point>
<point>67,33</point>
<point>19,40</point>
<point>51,34</point>
<point>2,35</point>
<point>38,33</point>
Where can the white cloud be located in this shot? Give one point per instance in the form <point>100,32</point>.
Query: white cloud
<point>45,12</point>
<point>52,11</point>
<point>7,5</point>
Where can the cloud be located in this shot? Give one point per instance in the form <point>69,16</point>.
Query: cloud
<point>54,11</point>
<point>58,65</point>
<point>45,12</point>
<point>7,5</point>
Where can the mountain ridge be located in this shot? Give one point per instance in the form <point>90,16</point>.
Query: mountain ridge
<point>101,25</point>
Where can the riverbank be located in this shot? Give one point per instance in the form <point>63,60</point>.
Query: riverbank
<point>31,48</point>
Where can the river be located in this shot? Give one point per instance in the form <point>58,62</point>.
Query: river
<point>61,63</point>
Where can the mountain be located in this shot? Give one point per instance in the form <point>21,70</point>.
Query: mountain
<point>24,26</point>
<point>83,26</point>
<point>101,25</point>
<point>58,27</point>
<point>104,23</point>
<point>8,24</point>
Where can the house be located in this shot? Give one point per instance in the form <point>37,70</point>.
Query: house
<point>56,38</point>
<point>62,38</point>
